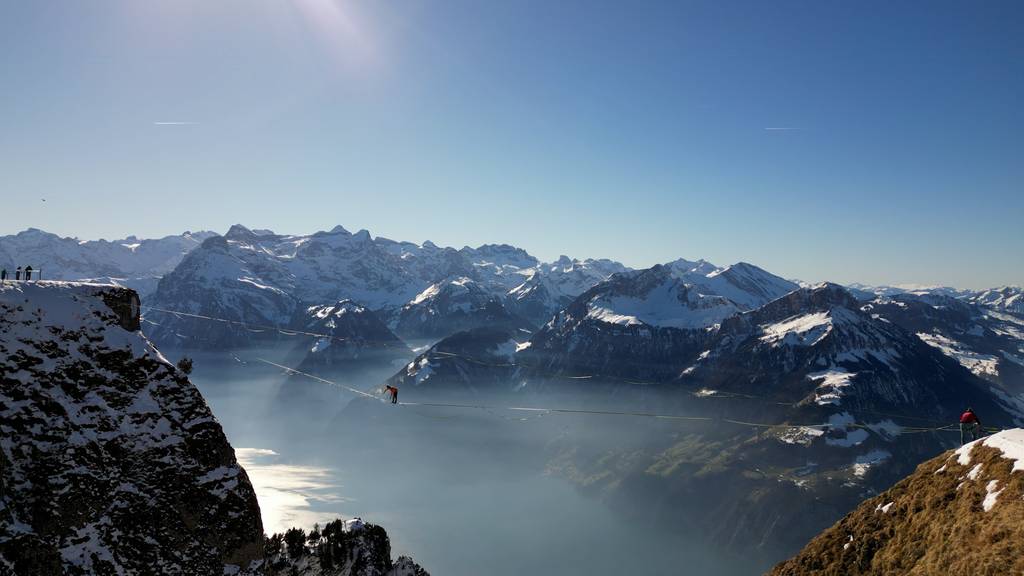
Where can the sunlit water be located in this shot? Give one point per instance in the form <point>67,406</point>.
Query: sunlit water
<point>290,494</point>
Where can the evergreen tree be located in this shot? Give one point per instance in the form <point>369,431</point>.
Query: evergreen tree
<point>295,542</point>
<point>185,365</point>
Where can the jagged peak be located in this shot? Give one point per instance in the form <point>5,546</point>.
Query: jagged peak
<point>238,231</point>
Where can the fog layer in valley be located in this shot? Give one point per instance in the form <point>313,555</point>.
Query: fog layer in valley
<point>467,491</point>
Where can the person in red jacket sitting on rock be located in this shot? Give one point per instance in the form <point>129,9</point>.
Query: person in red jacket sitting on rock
<point>970,426</point>
<point>394,393</point>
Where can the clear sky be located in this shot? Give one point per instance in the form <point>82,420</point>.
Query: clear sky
<point>880,142</point>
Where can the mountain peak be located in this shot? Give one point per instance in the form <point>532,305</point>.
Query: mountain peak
<point>238,231</point>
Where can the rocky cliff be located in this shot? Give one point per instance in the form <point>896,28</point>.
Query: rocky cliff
<point>110,460</point>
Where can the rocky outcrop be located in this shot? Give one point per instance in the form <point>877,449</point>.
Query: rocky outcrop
<point>112,462</point>
<point>958,513</point>
<point>339,548</point>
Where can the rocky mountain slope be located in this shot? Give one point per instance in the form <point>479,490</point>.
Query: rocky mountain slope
<point>111,460</point>
<point>355,339</point>
<point>988,343</point>
<point>454,305</point>
<point>550,287</point>
<point>958,513</point>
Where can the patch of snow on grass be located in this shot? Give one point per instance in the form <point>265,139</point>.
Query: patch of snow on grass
<point>973,474</point>
<point>864,462</point>
<point>843,422</point>
<point>991,495</point>
<point>802,435</point>
<point>662,306</point>
<point>979,364</point>
<point>804,330</point>
<point>1009,442</point>
<point>830,390</point>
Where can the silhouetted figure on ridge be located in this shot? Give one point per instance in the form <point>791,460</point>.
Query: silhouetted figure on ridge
<point>28,273</point>
<point>17,273</point>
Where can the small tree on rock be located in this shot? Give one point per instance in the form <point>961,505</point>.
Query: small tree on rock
<point>185,365</point>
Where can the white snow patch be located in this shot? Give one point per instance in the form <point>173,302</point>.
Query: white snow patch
<point>804,330</point>
<point>321,345</point>
<point>991,495</point>
<point>663,306</point>
<point>979,364</point>
<point>1009,442</point>
<point>864,462</point>
<point>833,381</point>
<point>973,474</point>
<point>802,435</point>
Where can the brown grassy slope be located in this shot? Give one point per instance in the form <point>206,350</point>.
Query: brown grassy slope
<point>932,527</point>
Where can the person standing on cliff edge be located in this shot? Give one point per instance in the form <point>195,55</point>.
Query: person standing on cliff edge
<point>970,426</point>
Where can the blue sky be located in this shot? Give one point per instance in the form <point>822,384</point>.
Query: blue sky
<point>640,131</point>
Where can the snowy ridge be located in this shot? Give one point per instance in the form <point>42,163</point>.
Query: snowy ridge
<point>668,303</point>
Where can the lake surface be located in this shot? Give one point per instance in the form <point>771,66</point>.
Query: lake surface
<point>452,523</point>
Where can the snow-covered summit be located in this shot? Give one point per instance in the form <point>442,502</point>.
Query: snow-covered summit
<point>453,305</point>
<point>655,297</point>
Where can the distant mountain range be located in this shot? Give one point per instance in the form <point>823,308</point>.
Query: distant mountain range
<point>131,262</point>
<point>818,393</point>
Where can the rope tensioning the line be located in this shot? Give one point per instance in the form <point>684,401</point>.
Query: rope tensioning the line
<point>324,380</point>
<point>442,354</point>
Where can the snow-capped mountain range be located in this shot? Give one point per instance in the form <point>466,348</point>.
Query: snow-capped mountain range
<point>813,394</point>
<point>131,261</point>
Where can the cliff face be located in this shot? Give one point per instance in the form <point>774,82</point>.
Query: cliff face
<point>112,462</point>
<point>959,513</point>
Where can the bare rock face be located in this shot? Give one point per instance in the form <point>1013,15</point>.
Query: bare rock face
<point>959,513</point>
<point>110,459</point>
